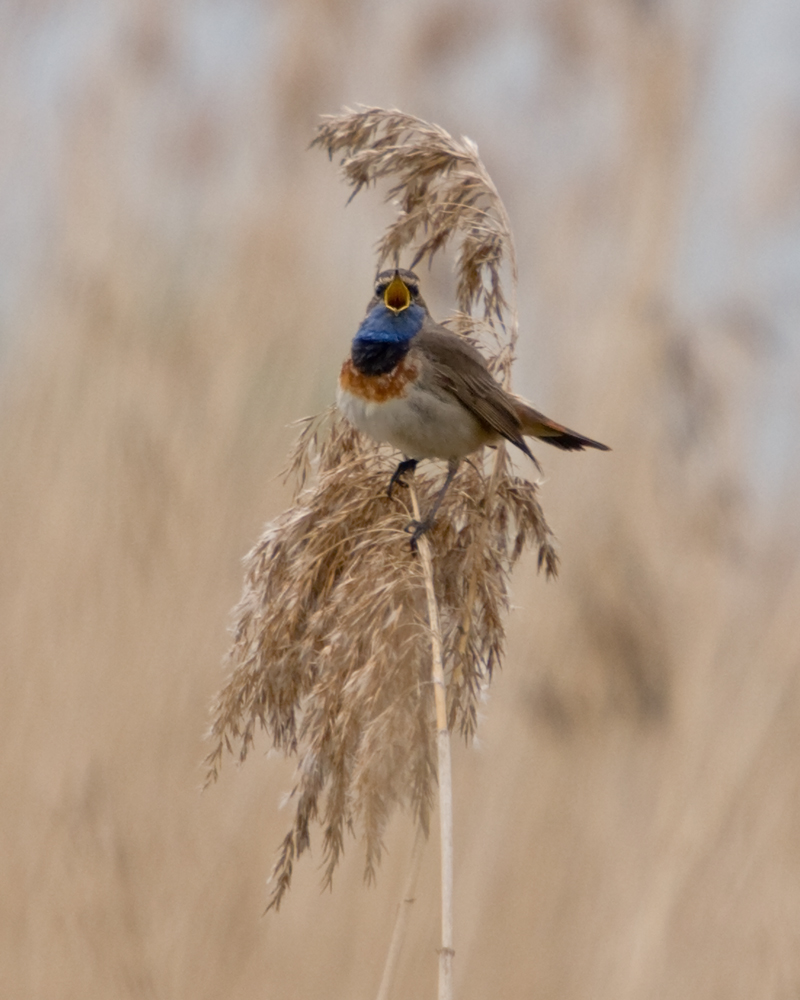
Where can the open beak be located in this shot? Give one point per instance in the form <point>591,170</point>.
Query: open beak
<point>397,296</point>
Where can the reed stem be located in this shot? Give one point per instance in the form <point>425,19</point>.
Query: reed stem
<point>446,951</point>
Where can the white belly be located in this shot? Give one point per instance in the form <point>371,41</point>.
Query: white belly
<point>420,424</point>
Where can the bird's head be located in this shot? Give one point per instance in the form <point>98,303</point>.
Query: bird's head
<point>397,290</point>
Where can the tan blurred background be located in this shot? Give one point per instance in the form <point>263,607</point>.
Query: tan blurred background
<point>179,280</point>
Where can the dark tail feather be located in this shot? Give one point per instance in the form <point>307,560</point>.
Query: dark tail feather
<point>535,424</point>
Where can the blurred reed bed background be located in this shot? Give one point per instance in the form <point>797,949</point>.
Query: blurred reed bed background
<point>181,281</point>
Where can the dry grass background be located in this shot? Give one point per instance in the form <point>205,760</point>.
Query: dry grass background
<point>629,825</point>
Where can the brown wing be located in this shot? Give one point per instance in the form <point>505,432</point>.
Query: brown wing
<point>457,367</point>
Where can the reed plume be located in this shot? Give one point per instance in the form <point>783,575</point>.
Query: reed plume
<point>331,654</point>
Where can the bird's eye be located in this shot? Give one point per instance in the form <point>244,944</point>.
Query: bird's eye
<point>380,288</point>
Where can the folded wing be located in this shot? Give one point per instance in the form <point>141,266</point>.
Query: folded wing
<point>456,366</point>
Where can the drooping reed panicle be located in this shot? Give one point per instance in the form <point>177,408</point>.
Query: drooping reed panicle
<point>331,650</point>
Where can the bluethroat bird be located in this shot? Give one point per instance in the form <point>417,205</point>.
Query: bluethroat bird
<point>414,384</point>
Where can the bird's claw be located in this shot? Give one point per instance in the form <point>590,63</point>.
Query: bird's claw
<point>417,529</point>
<point>407,465</point>
<point>393,483</point>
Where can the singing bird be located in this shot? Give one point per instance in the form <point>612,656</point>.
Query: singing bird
<point>412,383</point>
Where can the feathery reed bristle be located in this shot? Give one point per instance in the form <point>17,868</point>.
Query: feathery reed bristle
<point>443,190</point>
<point>331,651</point>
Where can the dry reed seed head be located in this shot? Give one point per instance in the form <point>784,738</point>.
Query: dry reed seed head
<point>331,648</point>
<point>443,192</point>
<point>331,652</point>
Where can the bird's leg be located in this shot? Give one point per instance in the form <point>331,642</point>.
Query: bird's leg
<point>418,528</point>
<point>407,465</point>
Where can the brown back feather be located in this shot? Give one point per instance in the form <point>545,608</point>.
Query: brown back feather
<point>457,367</point>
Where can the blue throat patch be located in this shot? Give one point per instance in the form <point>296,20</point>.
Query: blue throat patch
<point>384,338</point>
<point>383,325</point>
